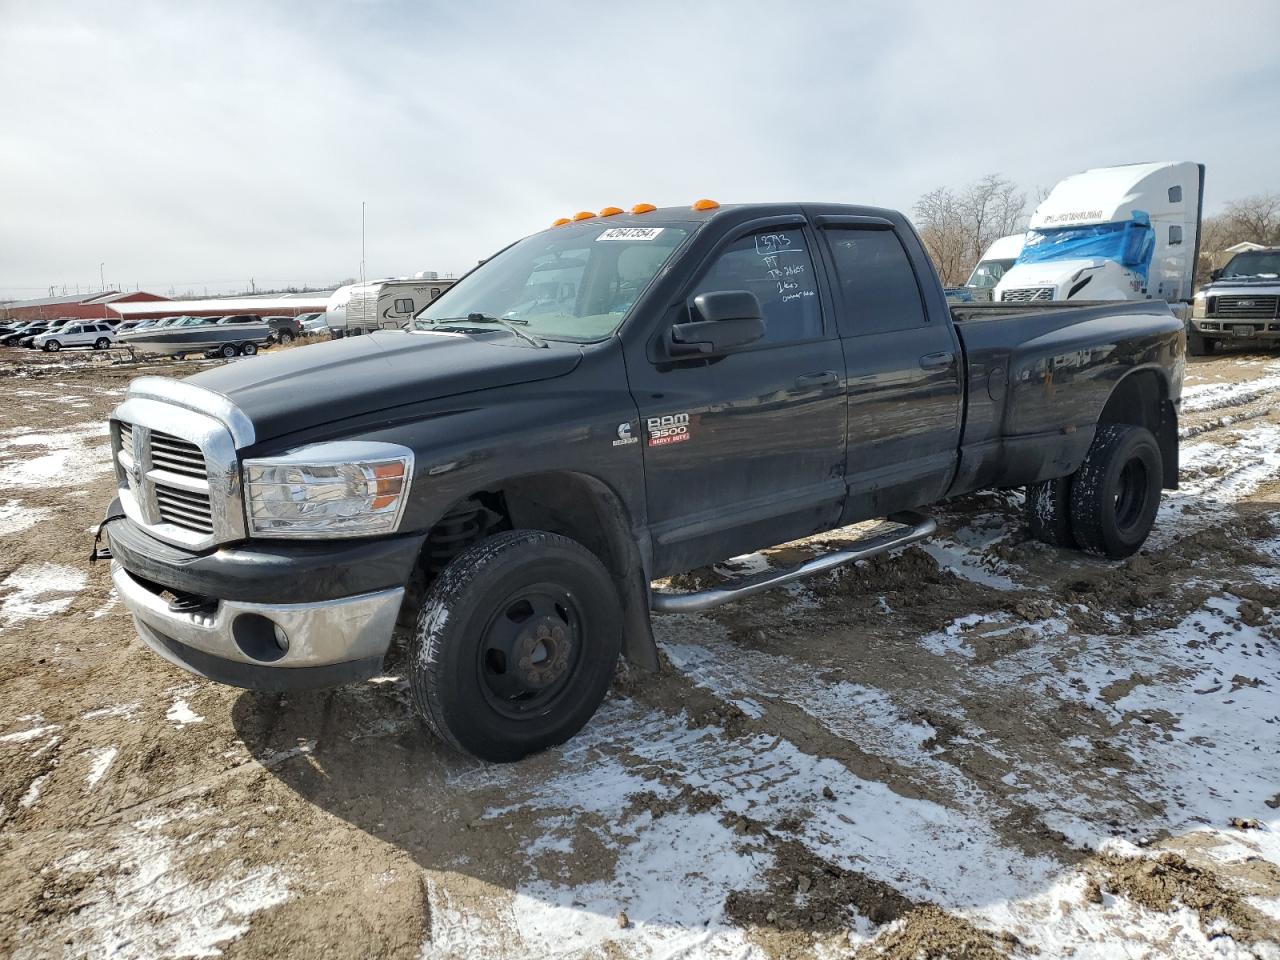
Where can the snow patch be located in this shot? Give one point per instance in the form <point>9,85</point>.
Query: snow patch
<point>102,760</point>
<point>30,587</point>
<point>181,714</point>
<point>16,517</point>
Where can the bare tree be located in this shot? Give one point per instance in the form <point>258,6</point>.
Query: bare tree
<point>941,226</point>
<point>992,208</point>
<point>957,227</point>
<point>1255,218</point>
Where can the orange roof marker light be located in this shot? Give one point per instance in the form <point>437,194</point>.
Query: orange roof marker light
<point>643,208</point>
<point>561,222</point>
<point>705,204</point>
<point>583,215</point>
<point>610,211</point>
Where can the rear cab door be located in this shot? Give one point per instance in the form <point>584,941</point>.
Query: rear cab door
<point>746,449</point>
<point>904,362</point>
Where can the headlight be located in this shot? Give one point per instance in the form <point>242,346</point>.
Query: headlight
<point>342,489</point>
<point>1198,305</point>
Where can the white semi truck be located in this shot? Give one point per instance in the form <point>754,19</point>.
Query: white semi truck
<point>998,260</point>
<point>386,304</point>
<point>1130,232</point>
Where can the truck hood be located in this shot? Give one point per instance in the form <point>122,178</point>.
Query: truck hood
<point>1260,286</point>
<point>1055,273</point>
<point>325,382</point>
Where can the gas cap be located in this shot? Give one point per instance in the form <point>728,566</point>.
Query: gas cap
<point>996,383</point>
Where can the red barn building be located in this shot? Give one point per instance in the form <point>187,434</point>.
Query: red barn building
<point>82,306</point>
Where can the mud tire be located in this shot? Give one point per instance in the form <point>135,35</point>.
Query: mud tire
<point>1116,493</point>
<point>1049,512</point>
<point>460,680</point>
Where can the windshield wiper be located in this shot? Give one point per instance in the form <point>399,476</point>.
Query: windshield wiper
<point>508,324</point>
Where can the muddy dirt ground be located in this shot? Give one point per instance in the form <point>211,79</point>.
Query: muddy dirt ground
<point>978,748</point>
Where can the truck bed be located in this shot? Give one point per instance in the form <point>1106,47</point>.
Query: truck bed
<point>1039,375</point>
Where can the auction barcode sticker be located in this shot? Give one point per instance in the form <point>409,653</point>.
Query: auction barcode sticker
<point>630,233</point>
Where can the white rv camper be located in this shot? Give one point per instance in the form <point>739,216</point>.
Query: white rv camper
<point>1115,233</point>
<point>380,304</point>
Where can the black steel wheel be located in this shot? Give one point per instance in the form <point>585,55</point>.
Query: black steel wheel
<point>515,645</point>
<point>1116,493</point>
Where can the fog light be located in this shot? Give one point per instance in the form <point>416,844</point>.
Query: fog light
<point>282,638</point>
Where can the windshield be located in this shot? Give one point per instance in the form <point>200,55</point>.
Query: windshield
<point>1130,243</point>
<point>988,273</point>
<point>575,282</point>
<point>1255,263</point>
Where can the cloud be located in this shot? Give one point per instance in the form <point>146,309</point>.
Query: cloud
<point>199,145</point>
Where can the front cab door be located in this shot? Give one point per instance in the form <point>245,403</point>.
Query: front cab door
<point>746,449</point>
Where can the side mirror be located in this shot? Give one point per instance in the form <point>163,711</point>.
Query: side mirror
<point>1215,274</point>
<point>726,320</point>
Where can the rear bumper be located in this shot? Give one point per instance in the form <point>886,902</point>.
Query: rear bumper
<point>328,643</point>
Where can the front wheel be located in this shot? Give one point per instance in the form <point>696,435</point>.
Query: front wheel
<point>53,346</point>
<point>101,343</point>
<point>515,645</point>
<point>1116,493</point>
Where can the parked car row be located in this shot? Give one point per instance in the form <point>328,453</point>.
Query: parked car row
<point>65,332</point>
<point>53,335</point>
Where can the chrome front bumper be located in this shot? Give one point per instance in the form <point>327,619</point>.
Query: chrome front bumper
<point>328,642</point>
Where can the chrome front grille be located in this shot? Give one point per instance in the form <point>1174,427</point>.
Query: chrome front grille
<point>1026,295</point>
<point>177,455</point>
<point>184,509</point>
<point>176,466</point>
<point>1244,307</point>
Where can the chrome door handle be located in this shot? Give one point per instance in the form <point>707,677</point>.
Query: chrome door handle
<point>826,378</point>
<point>937,361</point>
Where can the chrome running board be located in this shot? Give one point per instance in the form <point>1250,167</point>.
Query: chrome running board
<point>917,527</point>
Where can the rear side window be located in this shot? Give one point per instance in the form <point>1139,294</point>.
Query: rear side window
<point>777,267</point>
<point>878,288</point>
<point>1175,235</point>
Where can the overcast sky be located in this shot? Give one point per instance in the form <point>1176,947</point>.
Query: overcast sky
<point>198,145</point>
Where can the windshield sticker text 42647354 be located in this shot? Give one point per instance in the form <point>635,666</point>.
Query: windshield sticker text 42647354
<point>672,428</point>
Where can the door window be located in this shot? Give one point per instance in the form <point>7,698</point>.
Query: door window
<point>878,288</point>
<point>776,266</point>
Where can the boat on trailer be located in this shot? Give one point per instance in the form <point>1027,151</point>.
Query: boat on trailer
<point>219,336</point>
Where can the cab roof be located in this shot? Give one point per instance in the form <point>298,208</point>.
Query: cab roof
<point>736,212</point>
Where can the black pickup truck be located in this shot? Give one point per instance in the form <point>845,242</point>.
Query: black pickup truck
<point>600,405</point>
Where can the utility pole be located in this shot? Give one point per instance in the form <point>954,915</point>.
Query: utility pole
<point>362,248</point>
<point>100,277</point>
